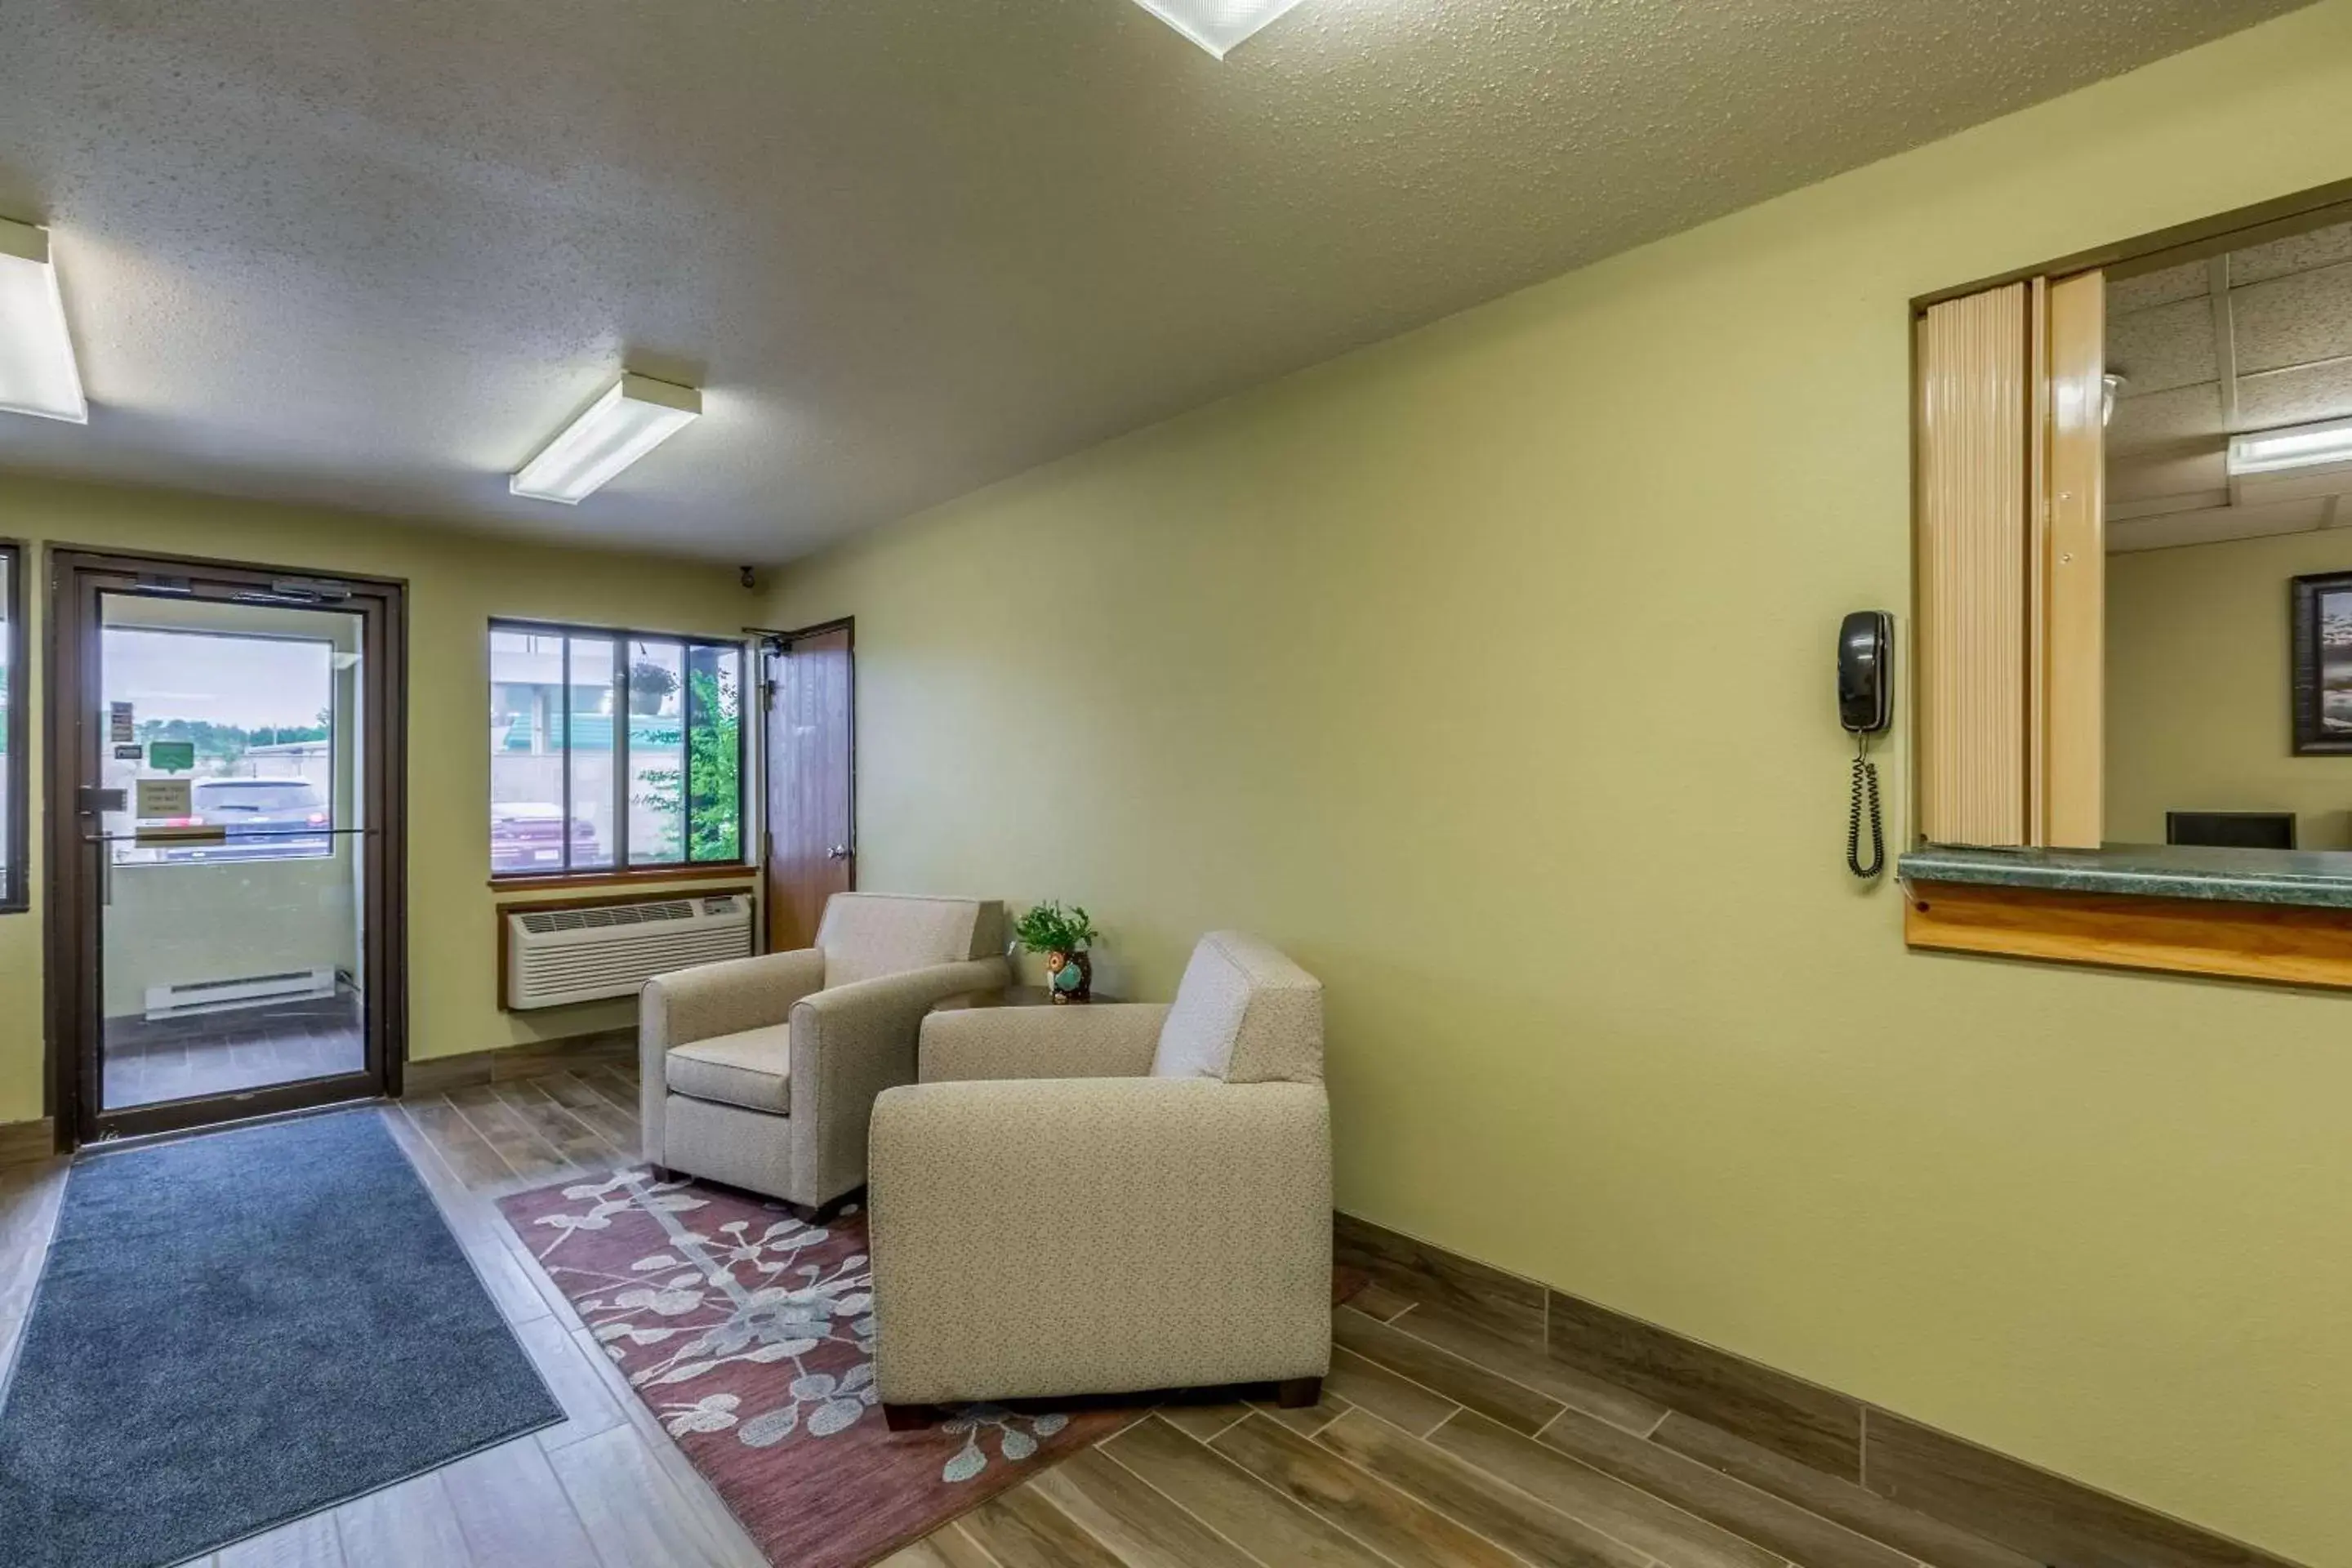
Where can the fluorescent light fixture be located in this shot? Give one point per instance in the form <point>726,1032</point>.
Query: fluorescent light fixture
<point>1217,25</point>
<point>636,415</point>
<point>37,375</point>
<point>2296,446</point>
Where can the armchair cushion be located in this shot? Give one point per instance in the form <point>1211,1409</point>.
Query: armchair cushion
<point>1101,1039</point>
<point>864,935</point>
<point>1243,1013</point>
<point>753,1069</point>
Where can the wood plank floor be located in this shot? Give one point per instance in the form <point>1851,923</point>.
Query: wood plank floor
<point>1449,1449</point>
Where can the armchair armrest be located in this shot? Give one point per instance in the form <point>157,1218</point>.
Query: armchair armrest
<point>724,998</point>
<point>850,1043</point>
<point>1174,1232</point>
<point>704,1002</point>
<point>1100,1039</point>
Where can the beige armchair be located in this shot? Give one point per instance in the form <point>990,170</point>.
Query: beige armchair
<point>1109,1198</point>
<point>762,1072</point>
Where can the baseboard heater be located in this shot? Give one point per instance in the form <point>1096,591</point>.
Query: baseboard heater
<point>249,991</point>
<point>556,957</point>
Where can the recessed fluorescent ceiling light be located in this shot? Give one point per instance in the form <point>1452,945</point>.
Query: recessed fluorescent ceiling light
<point>2296,446</point>
<point>630,420</point>
<point>1216,25</point>
<point>37,375</point>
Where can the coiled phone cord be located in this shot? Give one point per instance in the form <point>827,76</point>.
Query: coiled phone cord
<point>1866,785</point>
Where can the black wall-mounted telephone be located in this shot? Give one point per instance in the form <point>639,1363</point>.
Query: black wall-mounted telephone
<point>1866,690</point>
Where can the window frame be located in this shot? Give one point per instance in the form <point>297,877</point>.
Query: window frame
<point>2200,923</point>
<point>622,869</point>
<point>16,821</point>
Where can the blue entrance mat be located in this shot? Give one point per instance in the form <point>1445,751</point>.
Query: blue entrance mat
<point>238,1330</point>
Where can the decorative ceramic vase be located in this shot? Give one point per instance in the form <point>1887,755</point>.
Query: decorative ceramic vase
<point>1070,976</point>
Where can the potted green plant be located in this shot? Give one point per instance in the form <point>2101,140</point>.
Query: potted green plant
<point>650,684</point>
<point>1064,936</point>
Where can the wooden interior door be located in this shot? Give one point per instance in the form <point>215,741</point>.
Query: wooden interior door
<point>812,773</point>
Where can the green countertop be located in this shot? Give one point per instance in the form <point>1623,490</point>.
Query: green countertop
<point>2311,878</point>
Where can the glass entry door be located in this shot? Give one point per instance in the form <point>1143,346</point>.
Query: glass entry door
<point>232,905</point>
<point>231,866</point>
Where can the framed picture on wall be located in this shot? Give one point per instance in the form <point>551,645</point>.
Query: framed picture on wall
<point>2320,611</point>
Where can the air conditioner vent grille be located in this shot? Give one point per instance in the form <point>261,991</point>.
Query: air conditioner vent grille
<point>610,915</point>
<point>559,957</point>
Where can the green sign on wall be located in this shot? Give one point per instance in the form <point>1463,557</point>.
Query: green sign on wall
<point>172,756</point>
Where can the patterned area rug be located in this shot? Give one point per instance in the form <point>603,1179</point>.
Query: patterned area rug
<point>750,1335</point>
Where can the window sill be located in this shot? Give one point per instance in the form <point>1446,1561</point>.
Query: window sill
<point>2236,914</point>
<point>643,875</point>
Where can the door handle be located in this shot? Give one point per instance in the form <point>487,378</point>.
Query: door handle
<point>838,852</point>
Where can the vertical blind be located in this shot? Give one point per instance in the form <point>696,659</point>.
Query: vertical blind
<point>2010,565</point>
<point>1974,365</point>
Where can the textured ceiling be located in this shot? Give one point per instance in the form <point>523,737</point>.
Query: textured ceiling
<point>2251,340</point>
<point>373,254</point>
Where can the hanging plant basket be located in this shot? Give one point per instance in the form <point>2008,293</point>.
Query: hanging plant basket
<point>650,685</point>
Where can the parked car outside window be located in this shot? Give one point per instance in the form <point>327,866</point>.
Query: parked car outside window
<point>527,835</point>
<point>264,818</point>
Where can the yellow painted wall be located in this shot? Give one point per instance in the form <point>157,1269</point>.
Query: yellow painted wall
<point>2198,666</point>
<point>456,585</point>
<point>1488,671</point>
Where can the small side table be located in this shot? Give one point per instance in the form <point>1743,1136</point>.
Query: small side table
<point>1010,996</point>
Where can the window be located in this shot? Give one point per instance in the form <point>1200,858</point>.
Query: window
<point>246,720</point>
<point>613,750</point>
<point>13,780</point>
<point>2129,472</point>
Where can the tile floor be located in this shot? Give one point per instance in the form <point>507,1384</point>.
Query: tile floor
<point>219,1053</point>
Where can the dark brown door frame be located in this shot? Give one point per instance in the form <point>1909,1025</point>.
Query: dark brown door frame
<point>72,698</point>
<point>777,645</point>
<point>16,822</point>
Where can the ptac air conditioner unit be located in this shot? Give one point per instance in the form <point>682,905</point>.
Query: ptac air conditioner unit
<point>554,956</point>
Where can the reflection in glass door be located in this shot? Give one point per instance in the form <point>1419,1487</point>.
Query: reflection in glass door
<point>231,867</point>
